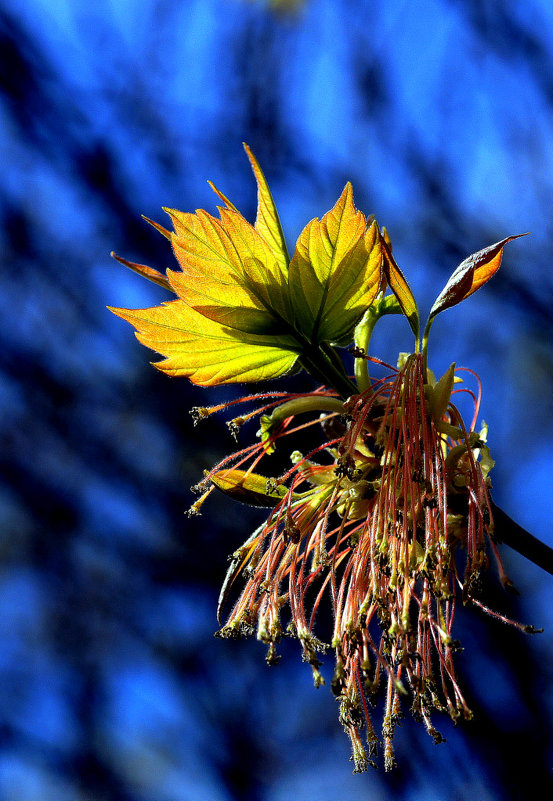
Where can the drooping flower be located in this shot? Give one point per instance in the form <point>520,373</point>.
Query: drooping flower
<point>372,519</point>
<point>387,520</point>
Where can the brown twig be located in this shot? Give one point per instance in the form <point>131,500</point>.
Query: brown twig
<point>510,533</point>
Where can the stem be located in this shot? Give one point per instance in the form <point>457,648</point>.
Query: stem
<point>363,333</point>
<point>425,343</point>
<point>517,538</point>
<point>314,403</point>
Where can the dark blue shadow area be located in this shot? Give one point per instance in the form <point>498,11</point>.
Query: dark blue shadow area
<point>112,687</point>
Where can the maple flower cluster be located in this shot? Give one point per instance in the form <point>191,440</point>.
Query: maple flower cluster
<point>387,520</point>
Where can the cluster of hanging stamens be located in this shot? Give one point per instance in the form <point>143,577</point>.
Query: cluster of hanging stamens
<point>371,519</point>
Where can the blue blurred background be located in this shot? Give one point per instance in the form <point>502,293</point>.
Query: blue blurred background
<point>112,687</point>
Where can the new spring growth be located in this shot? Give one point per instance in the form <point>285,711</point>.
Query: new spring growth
<point>385,516</point>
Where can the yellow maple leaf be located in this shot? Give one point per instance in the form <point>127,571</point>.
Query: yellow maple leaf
<point>335,272</point>
<point>244,312</point>
<point>206,351</point>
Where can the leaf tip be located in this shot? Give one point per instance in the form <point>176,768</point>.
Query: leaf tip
<point>224,198</point>
<point>163,231</point>
<point>143,270</point>
<point>122,313</point>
